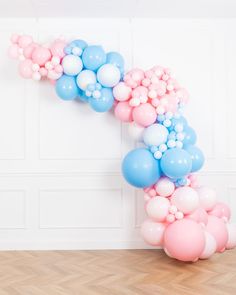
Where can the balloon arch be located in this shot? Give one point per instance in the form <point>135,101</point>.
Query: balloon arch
<point>184,218</point>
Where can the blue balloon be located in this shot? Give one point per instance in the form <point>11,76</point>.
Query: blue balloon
<point>116,59</point>
<point>176,163</point>
<point>190,136</point>
<point>93,57</point>
<point>82,96</point>
<point>196,156</point>
<point>104,103</point>
<point>79,43</point>
<point>140,169</point>
<point>66,87</point>
<point>181,120</point>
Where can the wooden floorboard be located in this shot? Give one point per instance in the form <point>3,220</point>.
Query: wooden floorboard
<point>117,272</point>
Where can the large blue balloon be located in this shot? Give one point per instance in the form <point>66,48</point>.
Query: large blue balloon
<point>196,156</point>
<point>93,57</point>
<point>181,120</point>
<point>190,136</point>
<point>82,96</point>
<point>176,163</point>
<point>116,59</point>
<point>103,103</point>
<point>140,168</point>
<point>66,87</point>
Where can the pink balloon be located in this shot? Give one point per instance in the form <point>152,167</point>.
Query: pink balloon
<point>231,243</point>
<point>207,197</point>
<point>123,111</point>
<point>217,228</point>
<point>199,215</point>
<point>29,50</point>
<point>158,208</point>
<point>164,187</point>
<point>210,246</point>
<point>185,199</point>
<point>145,114</point>
<point>221,210</point>
<point>25,69</point>
<point>153,232</point>
<point>121,92</point>
<point>13,51</point>
<point>184,240</point>
<point>41,55</point>
<point>57,48</point>
<point>24,41</point>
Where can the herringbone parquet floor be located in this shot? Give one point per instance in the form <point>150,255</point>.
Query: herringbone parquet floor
<point>119,272</point>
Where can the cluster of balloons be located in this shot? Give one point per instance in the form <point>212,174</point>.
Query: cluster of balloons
<point>184,218</point>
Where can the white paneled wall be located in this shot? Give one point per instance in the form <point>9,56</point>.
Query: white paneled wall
<point>60,180</point>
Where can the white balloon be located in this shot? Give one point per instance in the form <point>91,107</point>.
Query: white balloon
<point>122,92</point>
<point>185,199</point>
<point>108,75</point>
<point>155,134</point>
<point>158,208</point>
<point>231,227</point>
<point>207,197</point>
<point>135,131</point>
<point>164,187</point>
<point>153,232</point>
<point>210,246</point>
<point>72,65</point>
<point>84,78</point>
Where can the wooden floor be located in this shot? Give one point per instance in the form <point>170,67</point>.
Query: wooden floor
<point>128,272</point>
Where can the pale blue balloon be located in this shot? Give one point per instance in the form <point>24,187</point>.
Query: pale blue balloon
<point>176,163</point>
<point>190,137</point>
<point>66,87</point>
<point>79,43</point>
<point>197,157</point>
<point>140,169</point>
<point>93,57</point>
<point>116,59</point>
<point>104,103</point>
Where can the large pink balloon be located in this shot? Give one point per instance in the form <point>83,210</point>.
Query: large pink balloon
<point>185,199</point>
<point>153,232</point>
<point>41,55</point>
<point>184,240</point>
<point>158,208</point>
<point>199,215</point>
<point>217,228</point>
<point>144,114</point>
<point>210,246</point>
<point>231,243</point>
<point>57,48</point>
<point>221,210</point>
<point>25,68</point>
<point>123,111</point>
<point>164,187</point>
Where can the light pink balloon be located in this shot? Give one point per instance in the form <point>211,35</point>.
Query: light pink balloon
<point>221,210</point>
<point>199,215</point>
<point>207,197</point>
<point>13,51</point>
<point>164,187</point>
<point>145,114</point>
<point>25,69</point>
<point>153,232</point>
<point>184,240</point>
<point>217,228</point>
<point>185,199</point>
<point>210,246</point>
<point>25,41</point>
<point>29,50</point>
<point>123,111</point>
<point>122,92</point>
<point>231,228</point>
<point>57,48</point>
<point>41,55</point>
<point>158,208</point>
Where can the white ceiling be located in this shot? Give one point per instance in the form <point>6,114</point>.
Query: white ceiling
<point>118,8</point>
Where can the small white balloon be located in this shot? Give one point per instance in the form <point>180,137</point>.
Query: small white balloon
<point>84,78</point>
<point>153,232</point>
<point>135,131</point>
<point>72,65</point>
<point>158,208</point>
<point>155,134</point>
<point>210,246</point>
<point>185,199</point>
<point>108,75</point>
<point>207,197</point>
<point>231,227</point>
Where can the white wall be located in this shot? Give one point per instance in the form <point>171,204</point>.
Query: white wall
<point>60,180</point>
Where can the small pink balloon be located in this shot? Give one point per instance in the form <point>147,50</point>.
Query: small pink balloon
<point>25,41</point>
<point>221,210</point>
<point>13,51</point>
<point>25,69</point>
<point>158,208</point>
<point>164,187</point>
<point>199,215</point>
<point>123,111</point>
<point>153,232</point>
<point>217,228</point>
<point>57,48</point>
<point>41,55</point>
<point>145,114</point>
<point>122,92</point>
<point>185,199</point>
<point>231,243</point>
<point>15,38</point>
<point>29,50</point>
<point>58,69</point>
<point>43,72</point>
<point>184,240</point>
<point>210,246</point>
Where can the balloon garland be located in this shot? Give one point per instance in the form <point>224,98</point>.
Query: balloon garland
<point>184,218</point>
